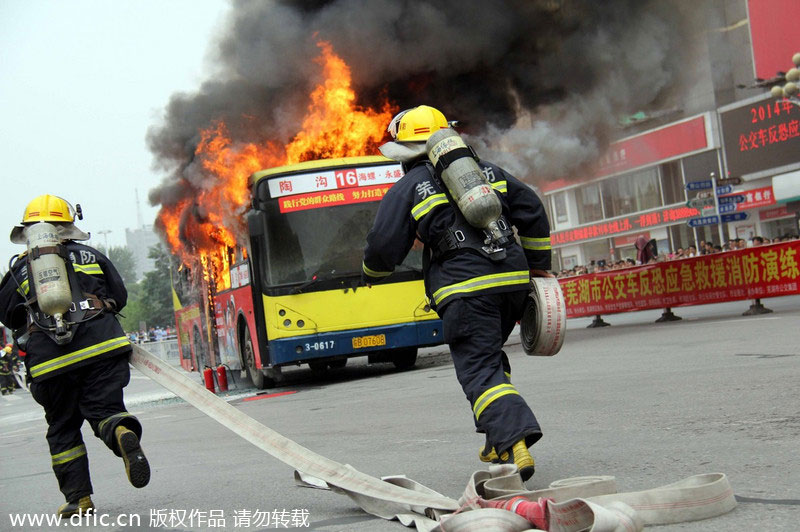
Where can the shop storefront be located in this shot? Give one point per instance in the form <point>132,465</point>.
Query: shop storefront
<point>639,188</point>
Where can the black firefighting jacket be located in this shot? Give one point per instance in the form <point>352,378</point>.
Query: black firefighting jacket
<point>99,337</point>
<point>416,206</point>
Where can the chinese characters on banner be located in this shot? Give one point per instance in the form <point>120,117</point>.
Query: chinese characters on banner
<point>765,271</point>
<point>329,199</point>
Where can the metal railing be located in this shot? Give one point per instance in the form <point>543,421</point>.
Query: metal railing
<point>166,350</point>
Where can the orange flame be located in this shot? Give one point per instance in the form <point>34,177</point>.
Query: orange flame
<point>201,230</point>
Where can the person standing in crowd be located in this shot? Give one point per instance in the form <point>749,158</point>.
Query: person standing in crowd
<point>644,250</point>
<point>79,375</point>
<point>479,300</point>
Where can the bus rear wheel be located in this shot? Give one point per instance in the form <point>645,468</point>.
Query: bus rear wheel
<point>249,358</point>
<point>404,358</point>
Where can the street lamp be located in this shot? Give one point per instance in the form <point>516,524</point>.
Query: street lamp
<point>105,232</point>
<point>790,90</point>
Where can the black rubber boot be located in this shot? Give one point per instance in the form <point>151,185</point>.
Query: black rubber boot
<point>83,505</point>
<point>136,465</point>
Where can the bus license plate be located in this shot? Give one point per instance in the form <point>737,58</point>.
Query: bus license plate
<point>377,340</point>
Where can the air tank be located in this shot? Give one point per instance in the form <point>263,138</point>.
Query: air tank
<point>464,179</point>
<point>48,271</point>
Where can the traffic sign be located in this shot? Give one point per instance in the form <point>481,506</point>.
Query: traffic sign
<point>727,207</point>
<point>736,198</point>
<point>704,220</point>
<point>700,203</point>
<point>727,189</point>
<point>735,217</point>
<point>729,181</point>
<point>699,185</point>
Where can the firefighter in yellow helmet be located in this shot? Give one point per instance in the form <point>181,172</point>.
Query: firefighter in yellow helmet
<point>77,365</point>
<point>479,297</point>
<point>6,371</point>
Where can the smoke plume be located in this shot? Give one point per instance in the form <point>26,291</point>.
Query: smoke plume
<point>538,85</point>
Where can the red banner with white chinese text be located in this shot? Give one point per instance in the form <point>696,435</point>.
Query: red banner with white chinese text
<point>760,272</point>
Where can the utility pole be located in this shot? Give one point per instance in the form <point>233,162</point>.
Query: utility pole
<point>105,232</point>
<point>139,222</point>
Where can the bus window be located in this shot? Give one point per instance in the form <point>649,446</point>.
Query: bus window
<point>324,242</point>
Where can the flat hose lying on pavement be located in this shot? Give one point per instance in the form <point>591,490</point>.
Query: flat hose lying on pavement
<point>578,504</point>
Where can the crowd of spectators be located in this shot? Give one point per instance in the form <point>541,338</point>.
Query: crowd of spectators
<point>704,248</point>
<point>154,334</point>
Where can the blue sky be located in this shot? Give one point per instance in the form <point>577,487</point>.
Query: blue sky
<point>81,81</point>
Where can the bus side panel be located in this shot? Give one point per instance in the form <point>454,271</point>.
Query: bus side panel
<point>187,320</point>
<point>229,306</point>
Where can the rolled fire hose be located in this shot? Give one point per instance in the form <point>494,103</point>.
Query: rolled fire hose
<point>544,322</point>
<point>585,503</point>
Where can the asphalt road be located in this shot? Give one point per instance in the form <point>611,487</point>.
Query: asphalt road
<point>647,403</point>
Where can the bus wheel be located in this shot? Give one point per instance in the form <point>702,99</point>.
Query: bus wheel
<point>404,358</point>
<point>249,358</point>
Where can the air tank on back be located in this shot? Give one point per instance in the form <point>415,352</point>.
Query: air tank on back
<point>464,179</point>
<point>48,272</point>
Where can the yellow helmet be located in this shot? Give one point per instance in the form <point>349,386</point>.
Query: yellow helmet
<point>417,124</point>
<point>47,208</point>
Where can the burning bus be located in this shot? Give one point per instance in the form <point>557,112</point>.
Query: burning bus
<point>294,295</point>
<point>268,246</point>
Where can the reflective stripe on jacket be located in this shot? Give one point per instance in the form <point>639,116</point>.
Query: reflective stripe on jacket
<point>417,207</point>
<point>100,337</point>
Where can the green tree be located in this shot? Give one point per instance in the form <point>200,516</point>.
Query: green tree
<point>150,300</point>
<point>124,261</point>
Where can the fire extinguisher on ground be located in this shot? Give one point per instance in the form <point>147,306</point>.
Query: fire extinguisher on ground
<point>208,378</point>
<point>222,378</point>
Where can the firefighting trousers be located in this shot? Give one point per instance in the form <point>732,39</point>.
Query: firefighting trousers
<point>7,383</point>
<point>475,328</point>
<point>92,393</point>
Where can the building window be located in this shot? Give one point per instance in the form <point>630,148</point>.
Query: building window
<point>560,207</point>
<point>672,183</point>
<point>779,228</point>
<point>634,192</point>
<point>597,250</point>
<point>590,207</point>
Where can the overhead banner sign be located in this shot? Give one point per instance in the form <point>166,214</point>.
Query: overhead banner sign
<point>761,136</point>
<point>760,272</point>
<point>346,196</point>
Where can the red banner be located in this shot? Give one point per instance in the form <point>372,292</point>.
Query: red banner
<point>764,271</point>
<point>314,200</point>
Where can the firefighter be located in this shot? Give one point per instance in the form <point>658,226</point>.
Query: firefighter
<point>76,369</point>
<point>7,381</point>
<point>479,299</point>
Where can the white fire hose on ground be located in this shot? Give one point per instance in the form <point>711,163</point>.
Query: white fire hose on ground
<point>571,505</point>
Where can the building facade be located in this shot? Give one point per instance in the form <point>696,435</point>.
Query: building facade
<point>139,241</point>
<point>729,126</point>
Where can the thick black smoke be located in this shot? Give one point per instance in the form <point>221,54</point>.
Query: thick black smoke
<point>539,85</point>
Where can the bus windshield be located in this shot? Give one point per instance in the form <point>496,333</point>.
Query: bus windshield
<point>315,223</point>
<point>325,242</point>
